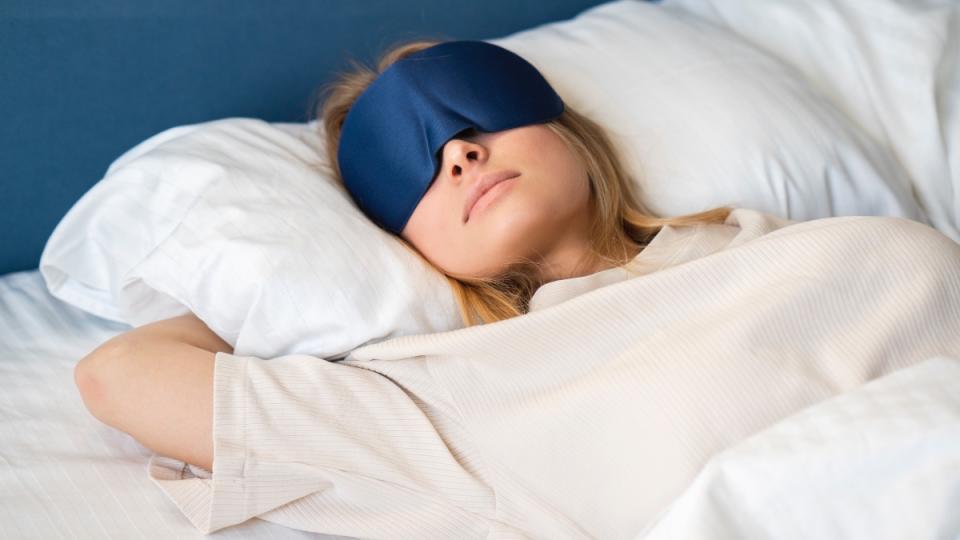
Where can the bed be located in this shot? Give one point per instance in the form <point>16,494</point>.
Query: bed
<point>124,214</point>
<point>64,474</point>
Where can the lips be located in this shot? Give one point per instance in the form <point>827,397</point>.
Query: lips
<point>483,185</point>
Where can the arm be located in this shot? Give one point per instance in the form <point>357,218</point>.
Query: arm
<point>155,383</point>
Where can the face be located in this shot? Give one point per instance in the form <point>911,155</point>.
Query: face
<point>541,214</point>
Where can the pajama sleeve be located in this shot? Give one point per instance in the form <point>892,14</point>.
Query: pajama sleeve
<point>326,447</point>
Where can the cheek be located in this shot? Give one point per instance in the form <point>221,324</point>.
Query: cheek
<point>426,230</point>
<point>435,231</point>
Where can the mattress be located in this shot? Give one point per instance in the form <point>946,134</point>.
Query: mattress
<point>63,473</point>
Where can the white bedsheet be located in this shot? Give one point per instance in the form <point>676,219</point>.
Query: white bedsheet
<point>64,474</point>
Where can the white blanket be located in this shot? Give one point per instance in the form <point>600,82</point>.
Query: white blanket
<point>586,418</point>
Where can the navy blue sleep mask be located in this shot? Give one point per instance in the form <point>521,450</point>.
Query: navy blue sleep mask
<point>392,136</point>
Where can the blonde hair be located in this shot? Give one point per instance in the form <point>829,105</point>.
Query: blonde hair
<point>620,228</point>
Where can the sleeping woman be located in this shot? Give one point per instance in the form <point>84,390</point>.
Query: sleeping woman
<point>466,153</point>
<point>421,152</point>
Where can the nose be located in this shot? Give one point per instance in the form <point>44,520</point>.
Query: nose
<point>461,157</point>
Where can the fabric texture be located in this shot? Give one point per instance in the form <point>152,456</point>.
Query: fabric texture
<point>586,417</point>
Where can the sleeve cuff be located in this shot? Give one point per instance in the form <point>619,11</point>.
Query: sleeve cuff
<point>213,502</point>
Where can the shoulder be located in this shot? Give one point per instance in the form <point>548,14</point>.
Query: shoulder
<point>862,236</point>
<point>755,223</point>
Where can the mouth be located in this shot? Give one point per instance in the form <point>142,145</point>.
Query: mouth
<point>482,186</point>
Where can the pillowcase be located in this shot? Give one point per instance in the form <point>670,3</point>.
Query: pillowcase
<point>890,66</point>
<point>702,118</point>
<point>236,221</point>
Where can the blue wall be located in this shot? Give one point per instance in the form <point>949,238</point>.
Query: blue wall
<point>84,81</point>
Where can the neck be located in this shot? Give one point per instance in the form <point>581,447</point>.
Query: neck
<point>576,260</point>
<point>573,257</point>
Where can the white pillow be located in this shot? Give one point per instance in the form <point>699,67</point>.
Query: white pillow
<point>235,221</point>
<point>232,220</point>
<point>891,66</point>
<point>704,119</point>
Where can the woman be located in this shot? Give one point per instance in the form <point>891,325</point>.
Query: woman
<point>570,211</point>
<point>469,156</point>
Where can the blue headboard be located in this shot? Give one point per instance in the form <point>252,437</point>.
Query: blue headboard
<point>84,81</point>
